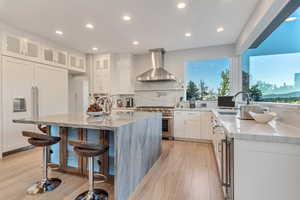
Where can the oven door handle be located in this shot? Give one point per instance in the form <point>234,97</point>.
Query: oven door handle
<point>167,117</point>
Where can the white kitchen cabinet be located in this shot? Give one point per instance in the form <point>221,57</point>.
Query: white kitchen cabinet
<point>54,57</point>
<point>20,47</point>
<point>179,122</point>
<point>192,125</point>
<point>52,84</point>
<point>101,74</point>
<point>32,49</point>
<point>206,129</point>
<point>266,170</point>
<point>122,74</point>
<point>112,74</point>
<point>77,63</point>
<point>12,45</point>
<point>19,79</point>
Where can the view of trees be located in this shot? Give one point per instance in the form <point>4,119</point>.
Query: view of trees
<point>263,91</point>
<point>203,92</point>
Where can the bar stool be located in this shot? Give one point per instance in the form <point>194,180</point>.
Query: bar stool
<point>42,140</point>
<point>90,150</point>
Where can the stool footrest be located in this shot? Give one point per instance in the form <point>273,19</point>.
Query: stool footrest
<point>100,178</point>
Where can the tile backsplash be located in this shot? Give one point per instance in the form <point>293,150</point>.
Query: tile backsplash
<point>157,98</point>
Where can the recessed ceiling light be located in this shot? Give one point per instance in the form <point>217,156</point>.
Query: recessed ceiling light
<point>289,19</point>
<point>95,48</point>
<point>126,18</point>
<point>188,34</point>
<point>59,32</point>
<point>90,26</point>
<point>135,43</point>
<point>220,29</point>
<point>181,5</point>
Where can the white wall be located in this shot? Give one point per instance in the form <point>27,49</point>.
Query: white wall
<point>174,60</point>
<point>265,12</point>
<point>174,63</point>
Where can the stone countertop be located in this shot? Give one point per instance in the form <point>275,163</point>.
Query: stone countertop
<point>82,120</point>
<point>273,131</point>
<point>194,109</point>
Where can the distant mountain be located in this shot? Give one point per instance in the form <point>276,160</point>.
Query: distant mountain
<point>287,95</point>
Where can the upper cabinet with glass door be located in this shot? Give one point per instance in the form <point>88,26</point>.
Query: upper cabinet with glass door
<point>77,63</point>
<point>16,46</point>
<point>54,56</point>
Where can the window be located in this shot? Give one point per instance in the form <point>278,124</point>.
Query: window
<point>206,80</point>
<point>271,72</point>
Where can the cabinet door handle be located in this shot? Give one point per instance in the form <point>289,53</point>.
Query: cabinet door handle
<point>224,182</point>
<point>219,147</point>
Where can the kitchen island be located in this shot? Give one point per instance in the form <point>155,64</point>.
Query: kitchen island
<point>134,140</point>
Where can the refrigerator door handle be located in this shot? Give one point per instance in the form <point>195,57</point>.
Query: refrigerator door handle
<point>37,101</point>
<point>33,102</point>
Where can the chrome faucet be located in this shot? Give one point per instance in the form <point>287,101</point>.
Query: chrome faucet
<point>247,96</point>
<point>106,102</point>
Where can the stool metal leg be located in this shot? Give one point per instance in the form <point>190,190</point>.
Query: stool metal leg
<point>46,184</point>
<point>92,193</point>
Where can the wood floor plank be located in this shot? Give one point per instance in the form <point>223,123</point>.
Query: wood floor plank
<point>186,170</point>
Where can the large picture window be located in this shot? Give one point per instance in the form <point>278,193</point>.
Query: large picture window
<point>271,71</point>
<point>206,80</point>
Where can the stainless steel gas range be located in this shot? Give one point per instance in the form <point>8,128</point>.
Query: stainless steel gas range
<point>167,118</point>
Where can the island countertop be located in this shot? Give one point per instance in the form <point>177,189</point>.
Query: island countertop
<point>82,120</point>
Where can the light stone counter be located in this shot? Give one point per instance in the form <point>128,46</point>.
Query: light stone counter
<point>194,109</point>
<point>274,131</point>
<point>82,120</point>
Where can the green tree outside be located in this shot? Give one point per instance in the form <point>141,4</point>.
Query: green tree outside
<point>255,93</point>
<point>224,89</point>
<point>203,90</point>
<point>192,91</point>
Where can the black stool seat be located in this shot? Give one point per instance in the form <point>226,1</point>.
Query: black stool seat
<point>45,141</point>
<point>88,149</point>
<point>40,140</point>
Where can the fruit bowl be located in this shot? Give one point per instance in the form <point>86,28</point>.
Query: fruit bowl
<point>263,117</point>
<point>95,114</point>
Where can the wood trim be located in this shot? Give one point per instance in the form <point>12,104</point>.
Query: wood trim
<point>47,132</point>
<point>193,140</point>
<point>8,153</point>
<point>63,133</point>
<point>104,158</point>
<point>82,160</point>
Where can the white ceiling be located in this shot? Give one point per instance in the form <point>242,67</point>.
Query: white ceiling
<point>155,23</point>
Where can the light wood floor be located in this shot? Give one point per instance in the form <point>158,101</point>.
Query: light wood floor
<point>185,171</point>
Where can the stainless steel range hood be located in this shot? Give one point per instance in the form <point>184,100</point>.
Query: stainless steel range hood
<point>157,72</point>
